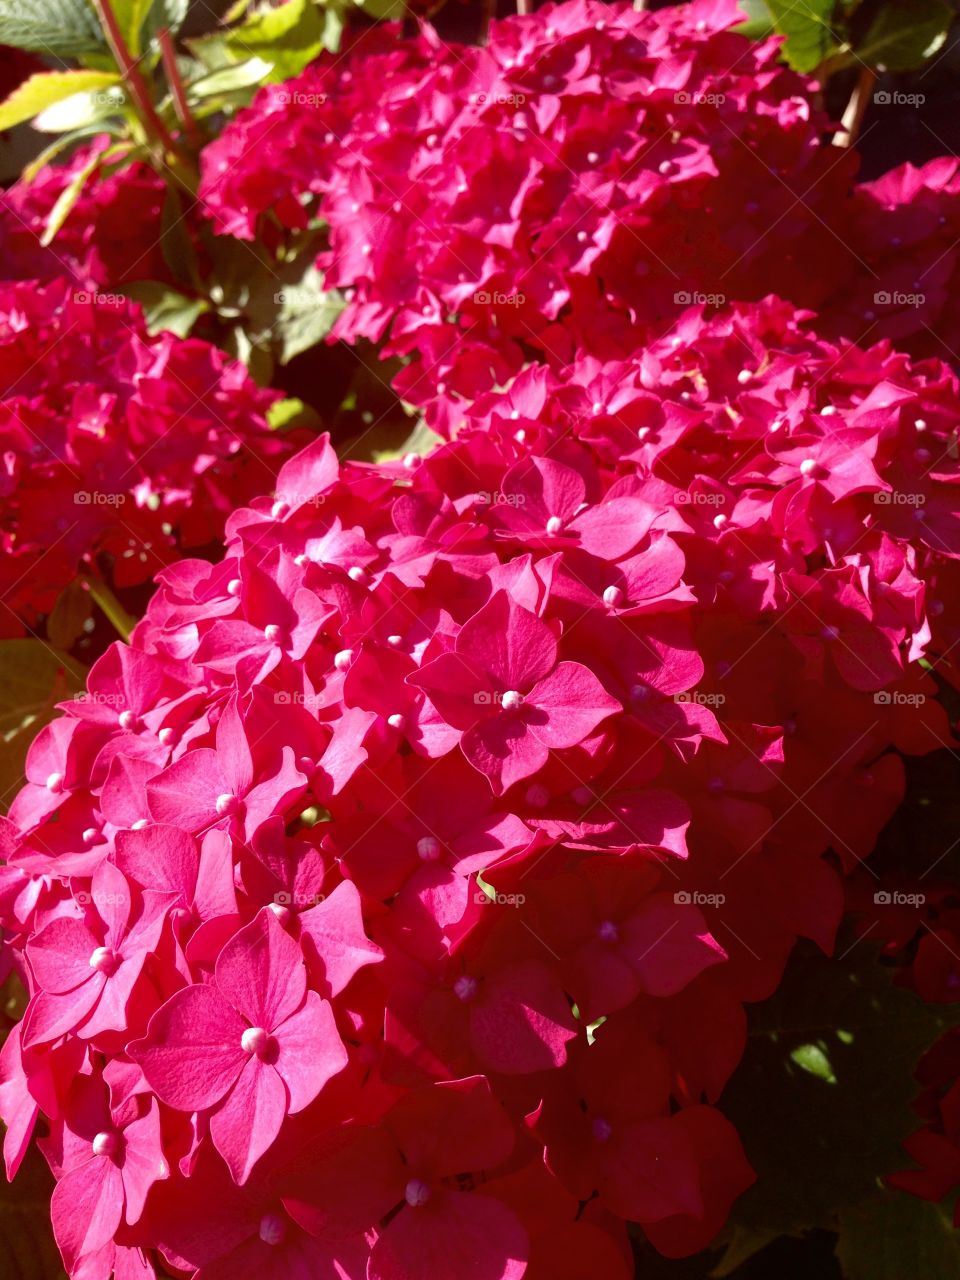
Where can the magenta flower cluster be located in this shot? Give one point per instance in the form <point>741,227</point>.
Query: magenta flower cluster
<point>570,186</point>
<point>388,907</point>
<point>117,449</point>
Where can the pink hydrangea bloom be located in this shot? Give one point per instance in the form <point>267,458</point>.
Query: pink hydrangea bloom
<point>433,913</point>
<point>117,447</point>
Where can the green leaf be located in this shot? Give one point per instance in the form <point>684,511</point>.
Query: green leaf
<point>892,1236</point>
<point>758,23</point>
<point>67,198</point>
<point>170,14</point>
<point>56,148</point>
<point>33,678</point>
<point>906,33</point>
<point>290,413</point>
<point>805,26</point>
<point>230,80</point>
<point>288,37</point>
<point>210,51</point>
<point>813,1058</point>
<point>740,1247</point>
<point>822,1097</point>
<point>42,90</point>
<point>67,619</point>
<point>166,309</point>
<point>383,10</point>
<point>130,16</point>
<point>62,28</point>
<point>333,25</point>
<point>81,110</point>
<point>305,314</point>
<point>280,305</point>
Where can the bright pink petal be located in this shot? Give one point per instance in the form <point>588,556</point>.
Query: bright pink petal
<point>60,954</point>
<point>261,972</point>
<point>452,1236</point>
<point>192,1054</point>
<point>566,706</point>
<point>185,795</point>
<point>509,643</point>
<point>309,1051</point>
<point>86,1208</point>
<point>249,1119</point>
<point>333,932</point>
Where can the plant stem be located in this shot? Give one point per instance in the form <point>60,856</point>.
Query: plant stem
<point>524,7</point>
<point>111,607</point>
<point>175,80</point>
<point>849,129</point>
<point>133,78</point>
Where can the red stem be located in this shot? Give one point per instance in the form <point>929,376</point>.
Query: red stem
<point>175,81</point>
<point>131,74</point>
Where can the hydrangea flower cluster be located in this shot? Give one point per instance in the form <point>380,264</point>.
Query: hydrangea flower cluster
<point>112,235</point>
<point>903,231</point>
<point>396,893</point>
<point>580,174</point>
<point>114,444</point>
<point>572,184</point>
